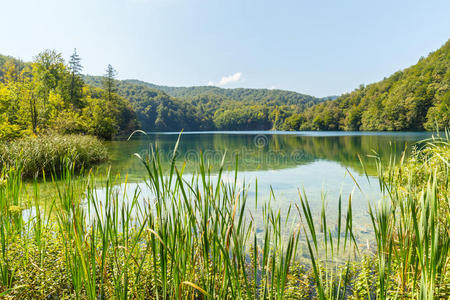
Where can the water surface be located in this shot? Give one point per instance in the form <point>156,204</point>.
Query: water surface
<point>324,165</point>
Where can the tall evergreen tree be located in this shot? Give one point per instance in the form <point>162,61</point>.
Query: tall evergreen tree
<point>109,84</point>
<point>76,83</point>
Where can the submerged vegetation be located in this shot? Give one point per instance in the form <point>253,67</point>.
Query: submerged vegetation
<point>46,153</point>
<point>195,237</point>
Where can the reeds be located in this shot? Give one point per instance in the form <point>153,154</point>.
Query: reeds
<point>193,236</point>
<point>46,153</point>
<point>412,225</point>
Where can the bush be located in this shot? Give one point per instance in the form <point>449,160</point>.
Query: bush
<point>48,152</point>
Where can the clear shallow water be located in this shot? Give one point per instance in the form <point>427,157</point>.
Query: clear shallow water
<point>317,162</point>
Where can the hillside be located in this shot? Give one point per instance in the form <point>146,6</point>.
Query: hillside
<point>415,98</point>
<point>49,95</point>
<point>162,108</point>
<point>248,95</point>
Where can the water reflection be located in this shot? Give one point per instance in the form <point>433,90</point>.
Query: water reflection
<point>262,150</point>
<point>319,164</point>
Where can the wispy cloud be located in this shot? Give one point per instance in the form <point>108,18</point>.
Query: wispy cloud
<point>236,77</point>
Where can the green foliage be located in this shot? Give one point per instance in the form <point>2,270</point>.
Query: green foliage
<point>109,82</point>
<point>47,95</point>
<point>431,159</point>
<point>161,108</point>
<point>411,225</point>
<point>416,98</point>
<point>244,118</point>
<point>50,94</point>
<point>273,97</point>
<point>439,115</point>
<point>74,83</point>
<point>46,153</point>
<point>294,122</point>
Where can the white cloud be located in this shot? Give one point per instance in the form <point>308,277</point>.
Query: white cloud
<point>230,79</point>
<point>236,77</point>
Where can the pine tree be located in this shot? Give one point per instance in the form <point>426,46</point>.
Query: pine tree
<point>76,83</point>
<point>109,82</point>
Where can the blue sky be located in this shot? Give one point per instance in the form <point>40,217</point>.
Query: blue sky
<point>314,47</point>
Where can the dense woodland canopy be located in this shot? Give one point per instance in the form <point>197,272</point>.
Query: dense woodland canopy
<point>49,94</point>
<point>416,98</point>
<point>271,96</point>
<point>162,108</point>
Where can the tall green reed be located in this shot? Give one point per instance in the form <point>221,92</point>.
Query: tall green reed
<point>194,236</point>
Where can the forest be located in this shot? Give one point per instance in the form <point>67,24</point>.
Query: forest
<point>162,108</point>
<point>50,95</point>
<point>417,98</point>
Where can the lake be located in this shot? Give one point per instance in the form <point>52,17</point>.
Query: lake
<point>324,165</point>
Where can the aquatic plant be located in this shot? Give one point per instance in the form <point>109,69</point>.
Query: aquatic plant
<point>46,153</point>
<point>195,237</point>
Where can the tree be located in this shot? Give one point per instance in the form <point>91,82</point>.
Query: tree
<point>353,119</point>
<point>76,83</point>
<point>48,69</point>
<point>438,117</point>
<point>48,95</point>
<point>109,84</point>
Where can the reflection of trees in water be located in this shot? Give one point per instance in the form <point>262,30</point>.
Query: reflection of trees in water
<point>268,152</point>
<point>345,149</point>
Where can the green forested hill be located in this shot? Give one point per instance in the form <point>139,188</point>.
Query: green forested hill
<point>270,96</point>
<point>416,98</point>
<point>155,110</point>
<point>163,108</point>
<point>49,95</point>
